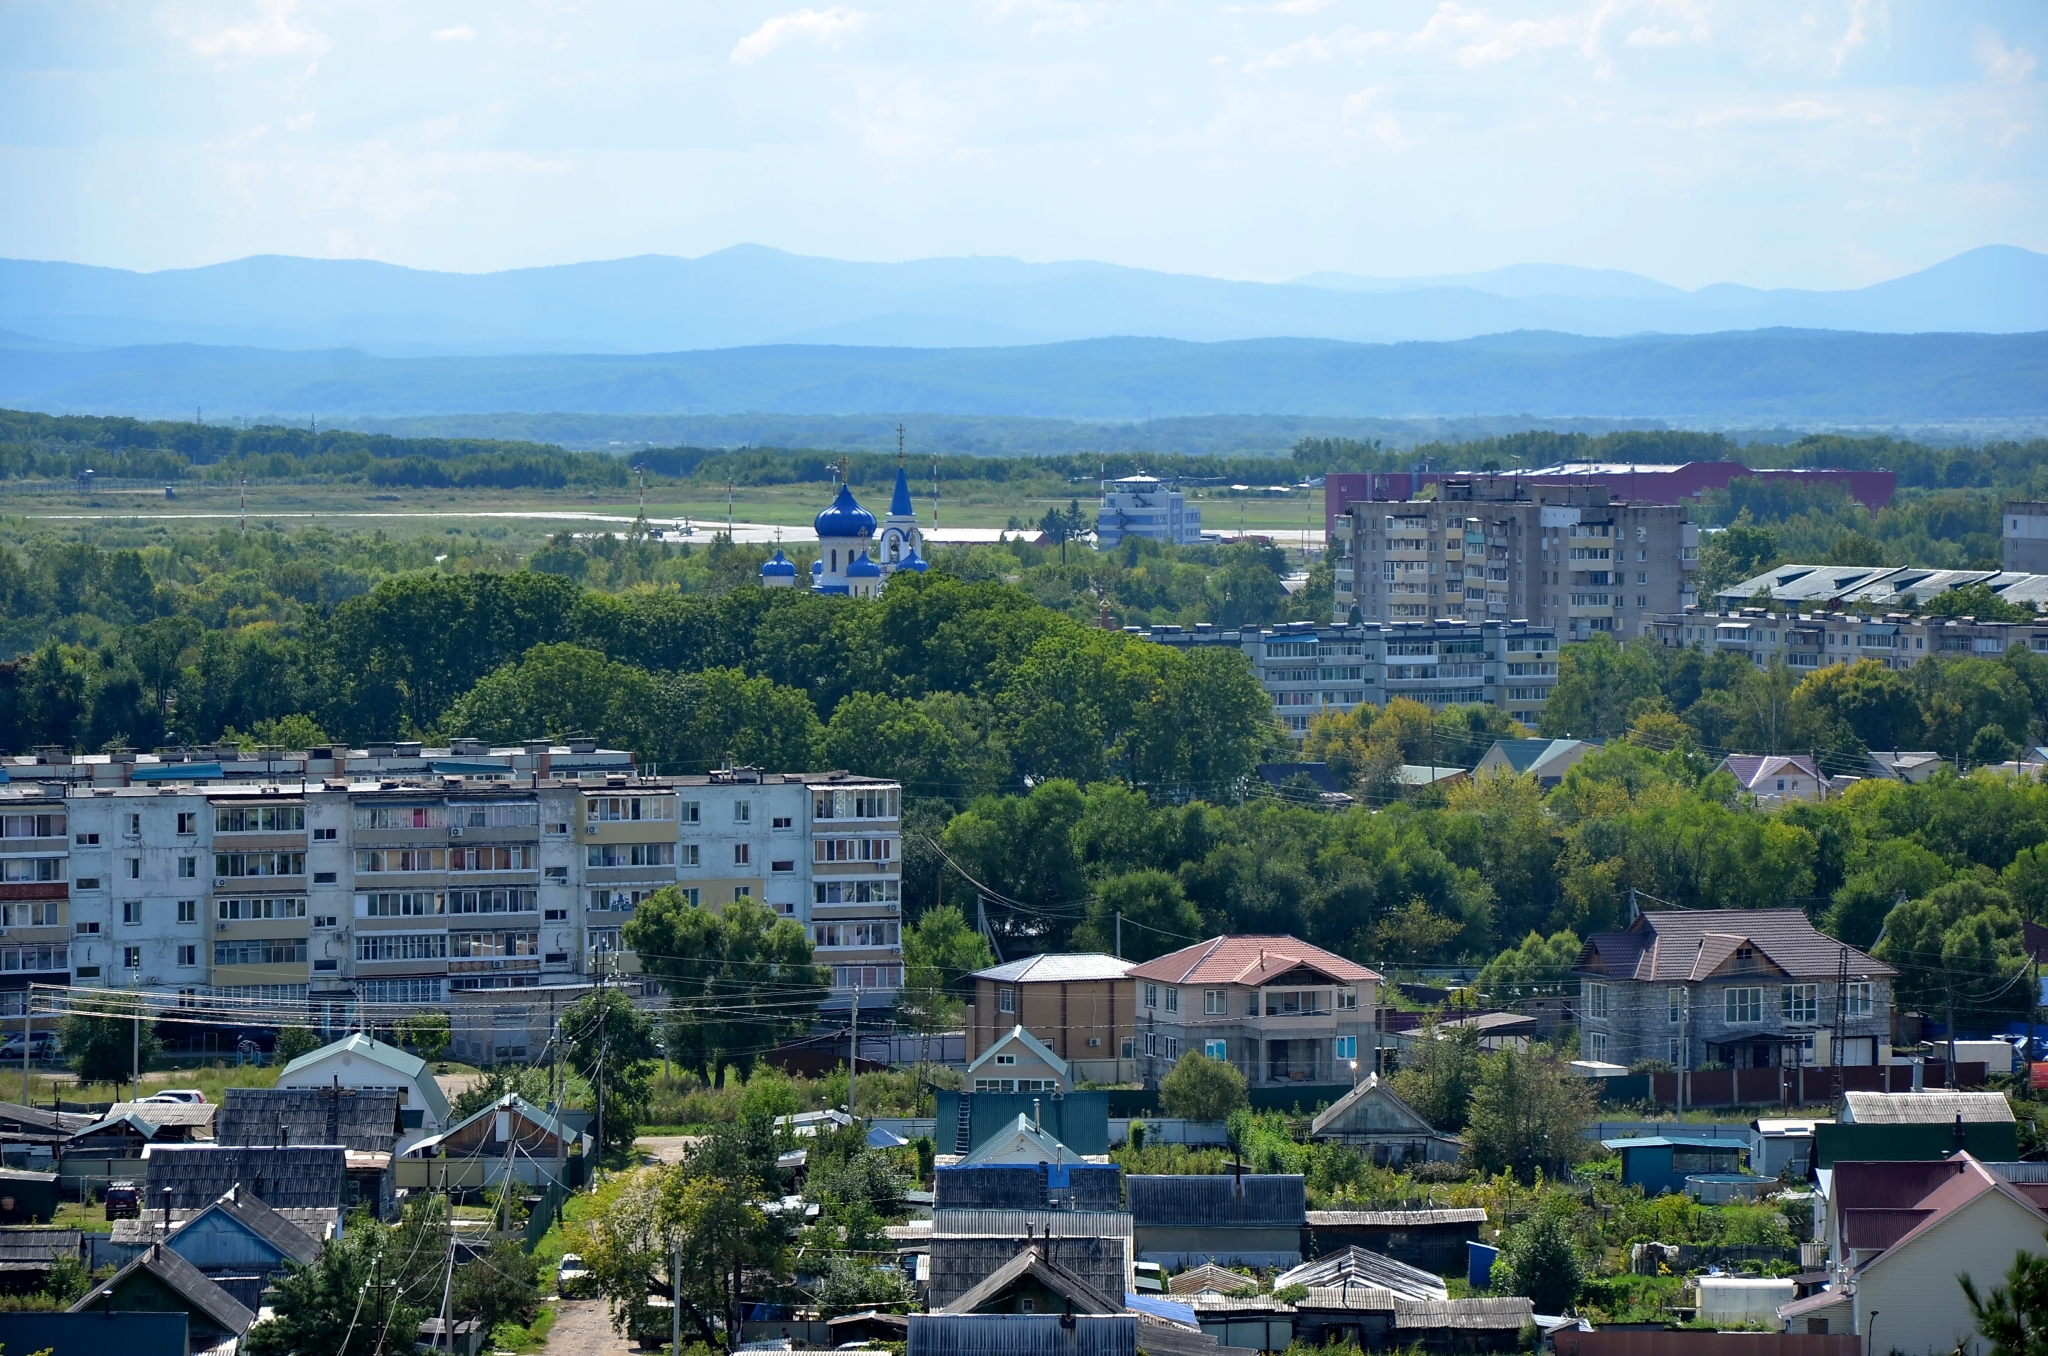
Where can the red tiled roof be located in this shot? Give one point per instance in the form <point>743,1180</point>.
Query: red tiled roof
<point>1251,959</point>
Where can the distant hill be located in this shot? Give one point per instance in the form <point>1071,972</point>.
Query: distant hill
<point>1766,376</point>
<point>751,296</point>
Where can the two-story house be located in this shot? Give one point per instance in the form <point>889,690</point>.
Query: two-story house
<point>1078,1005</point>
<point>1278,1009</point>
<point>1741,988</point>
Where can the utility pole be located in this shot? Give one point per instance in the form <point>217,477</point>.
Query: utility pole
<point>675,1291</point>
<point>1119,934</point>
<point>135,1049</point>
<point>448,1281</point>
<point>853,1059</point>
<point>1949,1015</point>
<point>1684,1047</point>
<point>28,1029</point>
<point>245,506</point>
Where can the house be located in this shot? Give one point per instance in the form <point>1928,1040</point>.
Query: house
<point>1904,767</point>
<point>1432,1239</point>
<point>175,1122</point>
<point>242,1245</point>
<point>1032,1283</point>
<point>511,1135</point>
<point>969,1246</point>
<point>1416,776</point>
<point>364,1121</point>
<point>366,1065</point>
<point>1257,1322</point>
<point>1257,1220</point>
<point>286,1177</point>
<point>1079,1120</point>
<point>1042,1186</point>
<point>1909,1126</point>
<point>1547,760</point>
<point>1022,1335</point>
<point>26,1255</point>
<point>164,1282</point>
<point>1898,1235</point>
<point>1018,1062</point>
<point>1024,1142</point>
<point>1661,1163</point>
<point>1748,988</point>
<point>1033,1286</point>
<point>1079,1006</point>
<point>1776,779</point>
<point>1278,1009</point>
<point>1373,1119</point>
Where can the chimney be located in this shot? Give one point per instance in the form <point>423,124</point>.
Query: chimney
<point>1038,1117</point>
<point>284,1135</point>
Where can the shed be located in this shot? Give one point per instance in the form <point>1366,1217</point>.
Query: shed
<point>26,1255</point>
<point>1256,1322</point>
<point>1250,1220</point>
<point>1432,1239</point>
<point>311,1177</point>
<point>116,1135</point>
<point>1781,1143</point>
<point>510,1132</point>
<point>1736,1301</point>
<point>1489,1324</point>
<point>27,1197</point>
<point>175,1122</point>
<point>1210,1279</point>
<point>1661,1163</point>
<point>1374,1118</point>
<point>366,1121</point>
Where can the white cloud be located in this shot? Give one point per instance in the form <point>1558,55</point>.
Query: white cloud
<point>2008,65</point>
<point>1054,16</point>
<point>1855,35</point>
<point>271,32</point>
<point>828,27</point>
<point>242,141</point>
<point>1652,36</point>
<point>458,33</point>
<point>302,122</point>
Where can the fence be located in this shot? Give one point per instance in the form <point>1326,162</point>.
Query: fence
<point>1810,1086</point>
<point>78,1176</point>
<point>1171,1130</point>
<point>1623,1342</point>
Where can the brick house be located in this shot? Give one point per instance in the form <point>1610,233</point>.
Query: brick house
<point>1079,1006</point>
<point>1280,1010</point>
<point>1744,988</point>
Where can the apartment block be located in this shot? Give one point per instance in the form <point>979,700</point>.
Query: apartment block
<point>2025,545</point>
<point>1898,640</point>
<point>1566,557</point>
<point>409,891</point>
<point>1309,669</point>
<point>1145,506</point>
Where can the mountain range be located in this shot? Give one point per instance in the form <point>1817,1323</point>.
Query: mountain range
<point>752,296</point>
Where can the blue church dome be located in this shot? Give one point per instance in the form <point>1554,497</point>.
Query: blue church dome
<point>779,566</point>
<point>845,518</point>
<point>914,562</point>
<point>817,568</point>
<point>860,567</point>
<point>899,504</point>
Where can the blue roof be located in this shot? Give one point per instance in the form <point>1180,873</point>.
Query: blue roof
<point>457,767</point>
<point>899,503</point>
<point>179,772</point>
<point>913,562</point>
<point>860,567</point>
<point>1160,1308</point>
<point>845,518</point>
<point>817,568</point>
<point>779,566</point>
<point>1675,1142</point>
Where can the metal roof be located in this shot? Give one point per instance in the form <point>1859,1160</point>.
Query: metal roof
<point>1216,1201</point>
<point>1022,1335</point>
<point>1067,968</point>
<point>1675,1142</point>
<point>300,1176</point>
<point>1079,1294</point>
<point>1030,1042</point>
<point>1510,1313</point>
<point>1024,1137</point>
<point>259,1219</point>
<point>410,1067</point>
<point>1018,1223</point>
<point>1924,1108</point>
<point>1394,1219</point>
<point>182,1279</point>
<point>1359,1269</point>
<point>190,1114</point>
<point>1210,1278</point>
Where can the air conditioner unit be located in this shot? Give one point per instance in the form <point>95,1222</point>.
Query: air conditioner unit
<point>590,828</point>
<point>220,926</point>
<point>220,882</point>
<point>454,832</point>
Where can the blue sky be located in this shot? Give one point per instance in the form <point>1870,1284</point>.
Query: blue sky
<point>1819,143</point>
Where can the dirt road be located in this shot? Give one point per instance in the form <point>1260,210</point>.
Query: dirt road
<point>582,1328</point>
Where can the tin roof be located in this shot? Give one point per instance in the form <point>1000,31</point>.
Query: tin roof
<point>298,1176</point>
<point>1083,1297</point>
<point>1933,1107</point>
<point>410,1067</point>
<point>182,1279</point>
<point>1216,1201</point>
<point>1252,959</point>
<point>1068,967</point>
<point>1358,1269</point>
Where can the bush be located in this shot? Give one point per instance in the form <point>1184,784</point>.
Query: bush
<point>1538,1261</point>
<point>293,1041</point>
<point>1202,1089</point>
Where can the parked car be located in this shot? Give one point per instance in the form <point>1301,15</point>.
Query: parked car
<point>191,1095</point>
<point>42,1045</point>
<point>572,1281</point>
<point>123,1200</point>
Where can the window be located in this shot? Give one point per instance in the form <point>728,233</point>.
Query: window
<point>188,868</point>
<point>188,823</point>
<point>1596,1001</point>
<point>853,849</point>
<point>1674,1005</point>
<point>1802,1002</point>
<point>1216,1049</point>
<point>261,951</point>
<point>131,958</point>
<point>239,910</point>
<point>294,863</point>
<point>1347,1047</point>
<point>1172,1048</point>
<point>1672,1051</point>
<point>556,873</point>
<point>188,956</point>
<point>133,867</point>
<point>493,901</point>
<point>323,835</point>
<point>743,812</point>
<point>1006,1000</point>
<point>630,854</point>
<point>687,812</point>
<point>89,840</point>
<point>1743,1005</point>
<point>1213,1003</point>
<point>742,854</point>
<point>35,826</point>
<point>1130,1046</point>
<point>1856,1000</point>
<point>1347,1000</point>
<point>783,866</point>
<point>134,829</point>
<point>783,822</point>
<point>323,878</point>
<point>326,920</point>
<point>692,896</point>
<point>28,915</point>
<point>1006,1059</point>
<point>1596,1045</point>
<point>400,904</point>
<point>511,814</point>
<point>401,946</point>
<point>690,855</point>
<point>87,929</point>
<point>131,911</point>
<point>857,891</point>
<point>188,911</point>
<point>23,869</point>
<point>263,819</point>
<point>1173,1000</point>
<point>740,892</point>
<point>520,857</point>
<point>618,809</point>
<point>1151,995</point>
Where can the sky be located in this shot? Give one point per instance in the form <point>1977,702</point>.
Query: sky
<point>1807,143</point>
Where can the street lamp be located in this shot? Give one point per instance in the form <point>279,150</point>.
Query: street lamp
<point>1872,1334</point>
<point>1354,1073</point>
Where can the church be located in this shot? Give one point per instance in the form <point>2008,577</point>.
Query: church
<point>852,560</point>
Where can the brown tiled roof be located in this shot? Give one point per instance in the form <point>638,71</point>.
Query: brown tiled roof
<point>1251,959</point>
<point>1677,945</point>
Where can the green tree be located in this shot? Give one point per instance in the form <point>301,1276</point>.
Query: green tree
<point>711,1208</point>
<point>739,980</point>
<point>108,1047</point>
<point>1528,1114</point>
<point>1441,1071</point>
<point>1977,600</point>
<point>364,1294</point>
<point>1960,948</point>
<point>1599,684</point>
<point>609,1041</point>
<point>939,952</point>
<point>1539,965</point>
<point>1741,551</point>
<point>1202,1089</point>
<point>1156,917</point>
<point>501,1286</point>
<point>293,1041</point>
<point>1539,1261</point>
<point>2013,1317</point>
<point>427,1032</point>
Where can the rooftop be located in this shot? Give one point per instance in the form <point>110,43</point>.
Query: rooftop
<point>1252,959</point>
<point>1933,1107</point>
<point>1679,945</point>
<point>1072,967</point>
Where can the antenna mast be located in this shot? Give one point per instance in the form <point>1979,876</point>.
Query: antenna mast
<point>245,506</point>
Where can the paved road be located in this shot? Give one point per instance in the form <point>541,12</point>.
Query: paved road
<point>582,1328</point>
